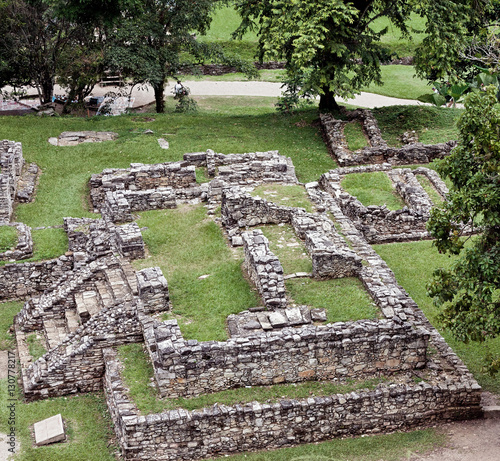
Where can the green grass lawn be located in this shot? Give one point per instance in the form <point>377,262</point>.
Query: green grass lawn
<point>186,245</point>
<point>8,238</point>
<point>374,188</point>
<point>413,264</point>
<point>227,125</point>
<point>86,419</point>
<point>433,124</point>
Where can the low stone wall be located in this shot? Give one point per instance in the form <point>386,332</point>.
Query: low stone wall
<point>221,429</point>
<point>11,164</point>
<point>18,281</point>
<point>330,260</point>
<point>410,190</point>
<point>152,288</point>
<point>377,223</point>
<point>435,179</point>
<point>119,205</point>
<point>264,269</point>
<point>353,350</point>
<point>141,177</point>
<point>27,183</point>
<point>58,298</point>
<point>331,257</point>
<point>378,151</point>
<point>98,237</point>
<point>24,246</point>
<point>239,209</point>
<point>246,168</point>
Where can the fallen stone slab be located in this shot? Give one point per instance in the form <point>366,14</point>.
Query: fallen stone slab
<point>49,430</point>
<point>73,138</point>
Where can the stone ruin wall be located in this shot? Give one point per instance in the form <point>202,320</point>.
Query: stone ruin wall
<point>378,151</point>
<point>331,257</point>
<point>140,177</point>
<point>264,269</point>
<point>352,350</point>
<point>98,237</point>
<point>221,429</point>
<point>24,246</point>
<point>117,193</point>
<point>377,223</point>
<point>76,364</point>
<point>11,164</point>
<point>18,281</point>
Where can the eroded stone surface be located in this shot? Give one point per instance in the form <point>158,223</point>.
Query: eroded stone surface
<point>49,430</point>
<point>73,138</point>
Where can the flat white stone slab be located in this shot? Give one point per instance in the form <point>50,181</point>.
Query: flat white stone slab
<point>49,430</point>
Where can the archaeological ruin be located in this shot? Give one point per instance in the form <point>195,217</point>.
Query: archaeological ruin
<point>87,302</point>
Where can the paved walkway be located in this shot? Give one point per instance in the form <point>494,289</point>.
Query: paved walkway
<point>145,95</point>
<point>253,88</point>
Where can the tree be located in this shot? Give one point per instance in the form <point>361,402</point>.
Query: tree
<point>149,36</point>
<point>469,293</point>
<point>32,41</point>
<point>336,46</point>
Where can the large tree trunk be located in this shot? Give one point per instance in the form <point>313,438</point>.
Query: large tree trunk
<point>47,89</point>
<point>327,100</point>
<point>159,89</point>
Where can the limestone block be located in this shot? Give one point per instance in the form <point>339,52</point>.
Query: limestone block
<point>49,430</point>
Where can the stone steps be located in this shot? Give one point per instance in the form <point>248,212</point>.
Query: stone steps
<point>118,285</point>
<point>87,304</point>
<point>55,332</point>
<point>72,320</point>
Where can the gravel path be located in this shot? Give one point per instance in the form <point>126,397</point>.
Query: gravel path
<point>251,88</point>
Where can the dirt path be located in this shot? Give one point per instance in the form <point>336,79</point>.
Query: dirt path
<point>477,440</point>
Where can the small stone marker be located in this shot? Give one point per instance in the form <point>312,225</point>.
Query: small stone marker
<point>163,143</point>
<point>49,430</point>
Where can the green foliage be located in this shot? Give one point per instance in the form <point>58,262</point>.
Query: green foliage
<point>331,47</point>
<point>413,264</point>
<point>450,25</point>
<point>469,293</point>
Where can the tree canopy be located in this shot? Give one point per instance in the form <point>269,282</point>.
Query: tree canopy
<point>469,293</point>
<point>335,48</point>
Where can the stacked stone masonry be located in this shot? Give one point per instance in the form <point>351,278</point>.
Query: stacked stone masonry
<point>24,245</point>
<point>353,350</point>
<point>221,429</point>
<point>11,164</point>
<point>378,151</point>
<point>98,237</point>
<point>17,281</point>
<point>259,320</point>
<point>264,269</point>
<point>94,301</point>
<point>331,257</point>
<point>90,308</point>
<point>377,223</point>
